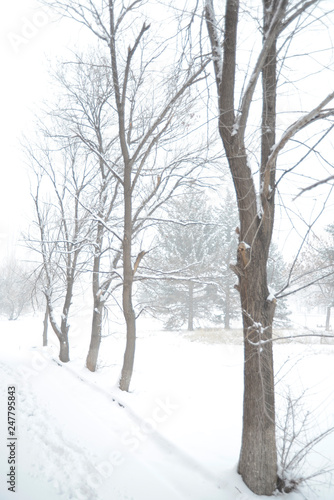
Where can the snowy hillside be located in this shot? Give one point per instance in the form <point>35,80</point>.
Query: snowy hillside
<point>175,436</point>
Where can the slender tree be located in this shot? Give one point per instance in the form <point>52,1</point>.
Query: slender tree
<point>62,229</point>
<point>151,110</point>
<point>258,457</point>
<point>16,289</point>
<point>84,109</point>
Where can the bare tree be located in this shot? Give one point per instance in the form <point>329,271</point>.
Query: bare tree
<point>62,228</point>
<point>84,109</point>
<point>16,289</point>
<point>281,18</point>
<point>151,109</point>
<point>316,266</point>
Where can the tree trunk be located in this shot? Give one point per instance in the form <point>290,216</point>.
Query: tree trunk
<point>129,315</point>
<point>128,311</point>
<point>129,354</point>
<point>227,312</point>
<point>45,326</point>
<point>64,353</point>
<point>258,456</point>
<point>62,332</point>
<point>258,460</point>
<point>190,306</point>
<point>96,335</point>
<point>95,339</point>
<point>328,318</point>
<point>257,464</point>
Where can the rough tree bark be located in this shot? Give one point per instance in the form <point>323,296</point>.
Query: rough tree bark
<point>258,461</point>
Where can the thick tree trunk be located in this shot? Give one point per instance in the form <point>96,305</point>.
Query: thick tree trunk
<point>45,326</point>
<point>96,335</point>
<point>258,460</point>
<point>190,306</point>
<point>258,457</point>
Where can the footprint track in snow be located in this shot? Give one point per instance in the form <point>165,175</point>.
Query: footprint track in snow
<point>49,454</point>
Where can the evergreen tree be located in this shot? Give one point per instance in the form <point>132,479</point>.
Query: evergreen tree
<point>225,242</point>
<point>191,264</point>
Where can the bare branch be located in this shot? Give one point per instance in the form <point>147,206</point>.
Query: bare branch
<point>316,184</point>
<point>318,113</point>
<point>296,11</point>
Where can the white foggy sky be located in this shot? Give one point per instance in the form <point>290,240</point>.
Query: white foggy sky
<point>29,36</point>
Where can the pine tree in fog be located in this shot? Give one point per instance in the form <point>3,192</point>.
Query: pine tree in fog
<point>190,262</point>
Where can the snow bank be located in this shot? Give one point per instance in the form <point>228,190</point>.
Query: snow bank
<point>176,436</point>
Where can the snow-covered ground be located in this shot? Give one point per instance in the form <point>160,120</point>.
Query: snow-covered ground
<point>175,436</point>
